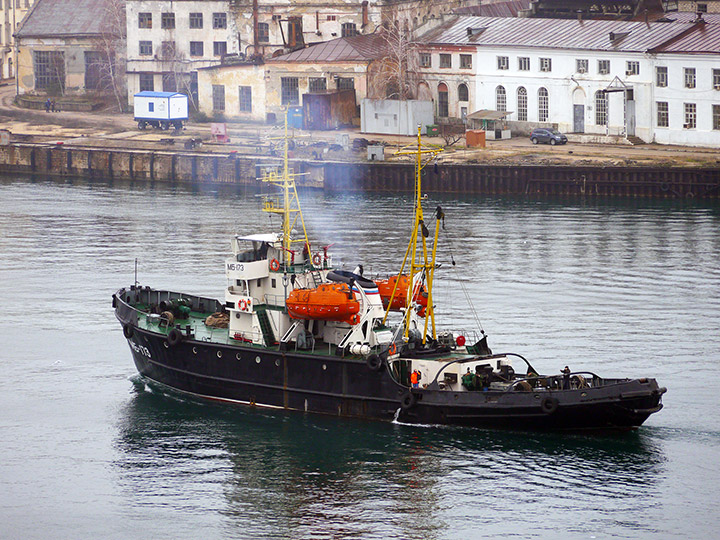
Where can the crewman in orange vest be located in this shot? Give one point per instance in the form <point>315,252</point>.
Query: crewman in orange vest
<point>415,378</point>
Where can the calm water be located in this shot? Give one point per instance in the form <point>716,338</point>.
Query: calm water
<point>87,451</point>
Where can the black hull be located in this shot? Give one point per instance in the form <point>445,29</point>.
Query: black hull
<point>346,386</point>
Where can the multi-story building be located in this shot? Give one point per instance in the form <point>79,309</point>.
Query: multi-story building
<point>12,13</point>
<point>658,81</point>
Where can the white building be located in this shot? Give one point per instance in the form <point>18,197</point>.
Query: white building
<point>658,81</point>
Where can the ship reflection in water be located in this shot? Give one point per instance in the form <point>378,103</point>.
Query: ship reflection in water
<point>307,476</point>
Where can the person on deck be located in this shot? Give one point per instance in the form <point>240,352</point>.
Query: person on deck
<point>415,378</point>
<point>566,378</point>
<point>468,380</point>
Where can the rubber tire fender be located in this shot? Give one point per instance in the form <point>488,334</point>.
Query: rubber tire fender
<point>549,405</point>
<point>374,362</point>
<point>128,331</point>
<point>408,400</point>
<point>174,337</point>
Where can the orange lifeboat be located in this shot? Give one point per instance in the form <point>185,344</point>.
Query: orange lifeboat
<point>385,287</point>
<point>328,302</point>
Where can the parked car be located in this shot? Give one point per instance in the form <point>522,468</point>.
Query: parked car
<point>543,135</point>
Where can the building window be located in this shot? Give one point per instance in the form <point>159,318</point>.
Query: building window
<point>144,20</point>
<point>145,48</point>
<point>245,98</point>
<point>289,87</point>
<point>169,82</point>
<point>197,48</point>
<point>196,20</point>
<point>317,84</point>
<point>689,77</point>
<point>218,91</point>
<point>543,105</point>
<point>522,107</point>
<point>581,65</point>
<point>716,116</point>
<point>346,83</point>
<point>661,76</point>
<point>603,67</point>
<point>425,60</point>
<point>546,64</point>
<point>332,17</point>
<point>523,63</point>
<point>601,108</point>
<point>690,116</point>
<point>500,99</point>
<point>219,48</point>
<point>49,70</point>
<point>348,29</point>
<point>716,79</point>
<point>632,67</point>
<point>701,8</point>
<point>167,49</point>
<point>663,114</point>
<point>465,61</point>
<point>463,94</point>
<point>503,62</point>
<point>93,70</point>
<point>443,101</point>
<point>263,32</point>
<point>219,20</point>
<point>445,60</point>
<point>167,21</point>
<point>146,82</point>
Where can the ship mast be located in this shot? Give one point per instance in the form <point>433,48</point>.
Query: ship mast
<point>422,263</point>
<point>289,207</point>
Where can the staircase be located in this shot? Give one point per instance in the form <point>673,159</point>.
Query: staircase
<point>265,326</point>
<point>632,139</point>
<point>317,278</point>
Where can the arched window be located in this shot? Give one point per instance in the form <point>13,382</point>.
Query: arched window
<point>443,102</point>
<point>463,92</point>
<point>500,99</point>
<point>543,105</point>
<point>522,104</point>
<point>601,108</point>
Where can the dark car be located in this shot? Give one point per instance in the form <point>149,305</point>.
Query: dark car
<point>543,135</point>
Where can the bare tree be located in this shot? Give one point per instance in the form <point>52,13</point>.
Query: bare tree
<point>111,46</point>
<point>395,75</point>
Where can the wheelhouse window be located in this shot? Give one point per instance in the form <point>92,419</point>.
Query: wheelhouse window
<point>543,105</point>
<point>289,91</point>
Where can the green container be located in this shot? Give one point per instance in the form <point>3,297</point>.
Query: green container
<point>432,130</point>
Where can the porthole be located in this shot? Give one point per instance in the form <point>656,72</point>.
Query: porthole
<point>237,315</point>
<point>277,362</point>
<point>237,356</point>
<point>584,394</point>
<point>165,343</point>
<point>324,367</point>
<point>537,396</point>
<point>194,350</point>
<point>219,354</point>
<point>257,359</point>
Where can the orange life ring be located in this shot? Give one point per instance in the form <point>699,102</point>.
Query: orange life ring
<point>393,349</point>
<point>317,259</point>
<point>274,265</point>
<point>241,305</point>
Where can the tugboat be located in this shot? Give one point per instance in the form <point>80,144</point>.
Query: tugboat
<point>294,333</point>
